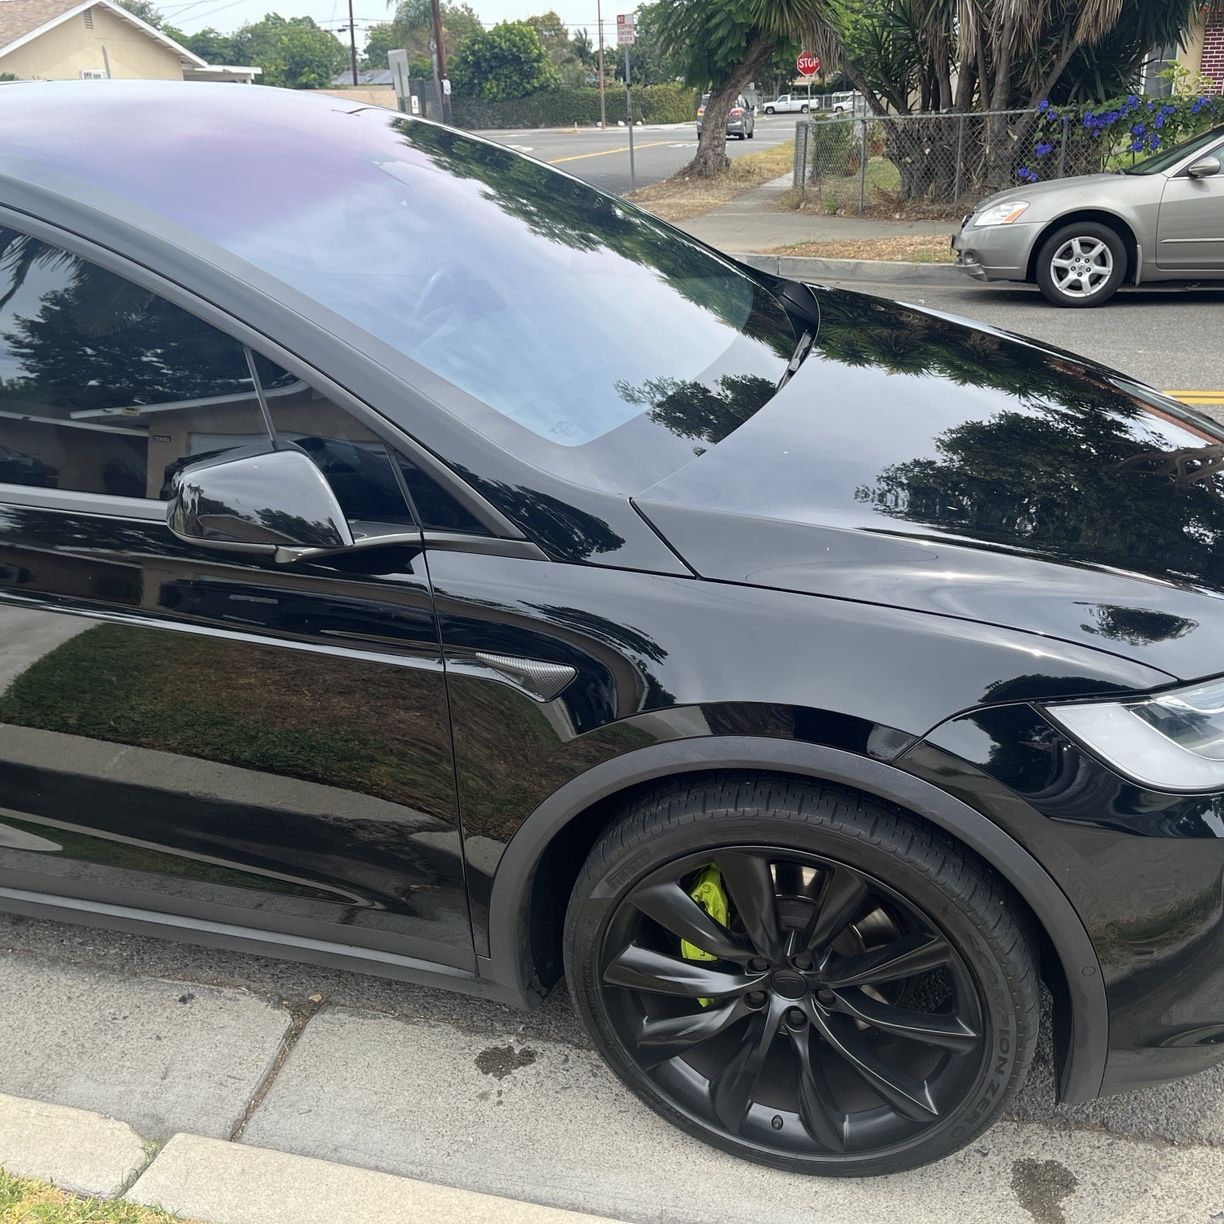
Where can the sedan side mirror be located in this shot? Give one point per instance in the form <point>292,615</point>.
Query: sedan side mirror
<point>1205,167</point>
<point>271,503</point>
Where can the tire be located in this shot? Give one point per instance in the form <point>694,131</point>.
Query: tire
<point>1081,264</point>
<point>769,110</point>
<point>803,110</point>
<point>752,133</point>
<point>689,1032</point>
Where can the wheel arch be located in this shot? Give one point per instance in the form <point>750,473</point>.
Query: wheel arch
<point>554,839</point>
<point>1101,216</point>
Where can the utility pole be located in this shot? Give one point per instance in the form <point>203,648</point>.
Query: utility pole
<point>352,42</point>
<point>603,110</point>
<point>439,61</point>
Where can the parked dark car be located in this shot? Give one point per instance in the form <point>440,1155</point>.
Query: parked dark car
<point>741,121</point>
<point>807,677</point>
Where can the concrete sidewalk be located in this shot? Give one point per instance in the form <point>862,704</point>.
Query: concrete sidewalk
<point>755,222</point>
<point>311,1089</point>
<point>216,1182</point>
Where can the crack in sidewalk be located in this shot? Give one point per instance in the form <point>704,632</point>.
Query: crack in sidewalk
<point>300,1013</point>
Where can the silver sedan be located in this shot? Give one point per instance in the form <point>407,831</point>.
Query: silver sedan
<point>1080,239</point>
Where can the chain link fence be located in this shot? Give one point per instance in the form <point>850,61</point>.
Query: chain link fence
<point>935,165</point>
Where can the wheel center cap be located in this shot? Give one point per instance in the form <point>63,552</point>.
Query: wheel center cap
<point>788,984</point>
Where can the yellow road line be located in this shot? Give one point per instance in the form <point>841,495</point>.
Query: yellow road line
<point>652,144</point>
<point>1214,396</point>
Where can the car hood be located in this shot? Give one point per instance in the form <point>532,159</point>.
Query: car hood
<point>1092,183</point>
<point>918,460</point>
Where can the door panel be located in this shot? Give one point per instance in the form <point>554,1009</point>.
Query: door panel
<point>205,733</point>
<point>186,733</point>
<point>1191,227</point>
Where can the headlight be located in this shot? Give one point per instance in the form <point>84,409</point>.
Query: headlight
<point>1002,214</point>
<point>1172,742</point>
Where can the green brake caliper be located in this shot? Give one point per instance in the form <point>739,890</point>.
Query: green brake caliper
<point>709,893</point>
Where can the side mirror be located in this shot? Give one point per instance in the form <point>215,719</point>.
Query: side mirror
<point>274,503</point>
<point>1205,167</point>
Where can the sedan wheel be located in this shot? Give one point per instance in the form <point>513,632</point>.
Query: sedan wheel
<point>771,977</point>
<point>1081,265</point>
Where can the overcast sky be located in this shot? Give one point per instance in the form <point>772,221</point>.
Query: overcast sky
<point>227,15</point>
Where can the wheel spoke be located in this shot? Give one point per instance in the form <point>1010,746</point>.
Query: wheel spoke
<point>750,884</point>
<point>909,1097</point>
<point>841,902</point>
<point>673,909</point>
<point>660,1040</point>
<point>641,968</point>
<point>820,1116</point>
<point>911,954</point>
<point>950,1032</point>
<point>733,1088</point>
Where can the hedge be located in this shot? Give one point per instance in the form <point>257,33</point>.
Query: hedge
<point>567,106</point>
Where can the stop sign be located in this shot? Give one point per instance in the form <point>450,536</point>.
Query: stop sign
<point>807,63</point>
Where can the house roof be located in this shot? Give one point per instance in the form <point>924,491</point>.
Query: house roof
<point>22,21</point>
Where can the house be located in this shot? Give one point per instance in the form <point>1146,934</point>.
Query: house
<point>1203,54</point>
<point>56,40</point>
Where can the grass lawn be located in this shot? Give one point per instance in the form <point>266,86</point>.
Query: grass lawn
<point>23,1201</point>
<point>906,248</point>
<point>678,198</point>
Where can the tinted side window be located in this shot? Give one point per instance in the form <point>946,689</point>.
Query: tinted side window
<point>356,462</point>
<point>104,386</point>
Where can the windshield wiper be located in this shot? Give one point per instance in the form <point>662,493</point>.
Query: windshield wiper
<point>803,348</point>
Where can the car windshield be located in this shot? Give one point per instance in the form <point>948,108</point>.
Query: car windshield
<point>1161,162</point>
<point>580,332</point>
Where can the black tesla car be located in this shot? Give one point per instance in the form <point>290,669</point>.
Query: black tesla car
<point>456,574</point>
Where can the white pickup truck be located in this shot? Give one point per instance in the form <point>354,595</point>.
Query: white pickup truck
<point>787,103</point>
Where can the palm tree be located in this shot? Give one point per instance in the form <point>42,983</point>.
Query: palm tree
<point>725,43</point>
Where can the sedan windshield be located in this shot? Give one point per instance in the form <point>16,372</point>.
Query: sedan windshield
<point>1162,162</point>
<point>570,327</point>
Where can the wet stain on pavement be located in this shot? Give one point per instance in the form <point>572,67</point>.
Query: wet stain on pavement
<point>1041,1186</point>
<point>500,1061</point>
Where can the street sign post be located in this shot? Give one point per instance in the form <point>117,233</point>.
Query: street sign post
<point>626,34</point>
<point>807,63</point>
<point>397,61</point>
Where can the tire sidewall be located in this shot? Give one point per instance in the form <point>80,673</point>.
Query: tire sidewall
<point>992,1086</point>
<point>1086,229</point>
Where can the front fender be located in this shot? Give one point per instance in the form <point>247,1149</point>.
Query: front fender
<point>510,963</point>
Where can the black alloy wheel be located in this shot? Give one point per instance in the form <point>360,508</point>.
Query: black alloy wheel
<point>829,1023</point>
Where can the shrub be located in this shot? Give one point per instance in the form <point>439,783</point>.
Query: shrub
<point>1116,132</point>
<point>506,62</point>
<point>566,106</point>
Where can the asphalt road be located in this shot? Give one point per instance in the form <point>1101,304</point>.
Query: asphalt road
<point>601,155</point>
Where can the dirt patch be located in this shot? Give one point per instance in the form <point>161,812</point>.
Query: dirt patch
<point>908,248</point>
<point>680,197</point>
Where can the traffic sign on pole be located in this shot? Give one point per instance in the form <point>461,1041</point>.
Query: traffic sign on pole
<point>807,63</point>
<point>626,29</point>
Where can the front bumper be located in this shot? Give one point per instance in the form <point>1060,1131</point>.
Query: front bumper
<point>1143,870</point>
<point>995,252</point>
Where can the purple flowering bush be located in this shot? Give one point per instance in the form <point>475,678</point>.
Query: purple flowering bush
<point>1081,138</point>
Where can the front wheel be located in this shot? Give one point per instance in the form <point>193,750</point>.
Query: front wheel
<point>769,110</point>
<point>802,976</point>
<point>1082,264</point>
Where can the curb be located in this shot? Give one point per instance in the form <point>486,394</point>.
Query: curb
<point>216,1181</point>
<point>878,271</point>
